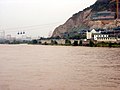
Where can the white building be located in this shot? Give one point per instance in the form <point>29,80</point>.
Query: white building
<point>108,39</point>
<point>104,38</point>
<point>96,36</point>
<point>89,34</point>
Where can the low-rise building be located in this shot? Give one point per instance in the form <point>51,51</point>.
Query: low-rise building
<point>99,35</point>
<point>103,36</point>
<point>106,39</point>
<point>89,34</point>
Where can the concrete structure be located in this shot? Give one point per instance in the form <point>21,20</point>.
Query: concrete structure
<point>44,41</point>
<point>104,38</point>
<point>96,36</point>
<point>59,41</point>
<point>89,35</point>
<point>107,39</point>
<point>103,15</point>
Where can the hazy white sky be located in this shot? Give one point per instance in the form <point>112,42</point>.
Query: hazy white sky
<point>37,17</point>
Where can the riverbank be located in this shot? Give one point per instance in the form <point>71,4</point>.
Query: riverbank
<point>67,42</point>
<point>88,43</point>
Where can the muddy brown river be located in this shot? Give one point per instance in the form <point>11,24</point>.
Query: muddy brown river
<point>36,67</point>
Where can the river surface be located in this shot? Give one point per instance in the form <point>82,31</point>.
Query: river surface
<point>28,67</point>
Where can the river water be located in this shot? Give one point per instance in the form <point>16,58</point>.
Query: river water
<point>28,67</point>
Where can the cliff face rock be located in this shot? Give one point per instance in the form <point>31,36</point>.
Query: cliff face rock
<point>77,20</point>
<point>82,19</point>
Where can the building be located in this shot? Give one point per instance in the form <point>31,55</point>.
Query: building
<point>89,34</point>
<point>99,35</point>
<point>103,36</point>
<point>2,34</point>
<point>107,39</point>
<point>8,37</point>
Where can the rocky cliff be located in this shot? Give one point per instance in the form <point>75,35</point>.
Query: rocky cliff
<point>82,19</point>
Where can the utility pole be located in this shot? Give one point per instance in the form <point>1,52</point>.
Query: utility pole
<point>117,12</point>
<point>117,8</point>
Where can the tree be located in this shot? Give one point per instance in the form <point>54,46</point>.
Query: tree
<point>110,44</point>
<point>91,43</point>
<point>34,41</point>
<point>67,42</point>
<point>75,43</point>
<point>80,43</point>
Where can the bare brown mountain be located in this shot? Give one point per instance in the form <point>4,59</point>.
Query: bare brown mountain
<point>82,19</point>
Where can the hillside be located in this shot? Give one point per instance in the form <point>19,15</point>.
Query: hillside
<point>82,19</point>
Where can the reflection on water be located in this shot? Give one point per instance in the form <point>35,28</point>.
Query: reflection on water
<point>27,67</point>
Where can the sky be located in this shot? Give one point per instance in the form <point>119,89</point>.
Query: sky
<point>37,17</point>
